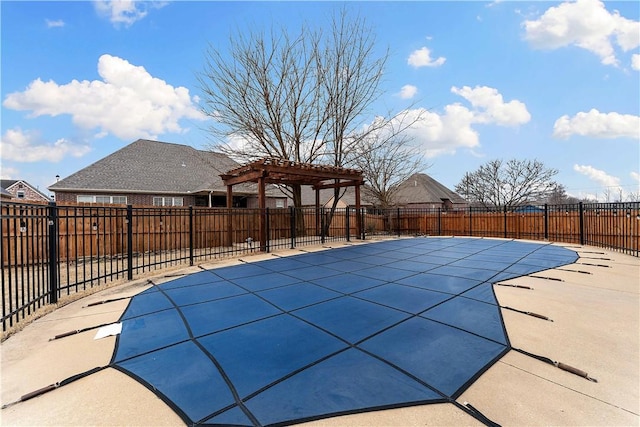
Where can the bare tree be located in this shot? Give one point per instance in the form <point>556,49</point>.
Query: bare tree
<point>633,196</point>
<point>303,98</point>
<point>498,183</point>
<point>558,196</point>
<point>265,98</point>
<point>387,158</point>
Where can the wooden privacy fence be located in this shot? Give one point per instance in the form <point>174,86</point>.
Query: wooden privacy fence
<point>611,225</point>
<point>50,250</point>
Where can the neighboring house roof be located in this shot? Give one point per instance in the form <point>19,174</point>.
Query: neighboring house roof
<point>4,194</point>
<point>146,166</point>
<point>6,183</point>
<point>9,185</point>
<point>421,188</point>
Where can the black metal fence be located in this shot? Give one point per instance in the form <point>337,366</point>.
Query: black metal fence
<point>51,251</point>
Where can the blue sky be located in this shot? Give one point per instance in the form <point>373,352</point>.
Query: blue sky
<point>553,81</point>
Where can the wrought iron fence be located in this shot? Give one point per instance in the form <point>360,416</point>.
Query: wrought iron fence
<point>51,251</point>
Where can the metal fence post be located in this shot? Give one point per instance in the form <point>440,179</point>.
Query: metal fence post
<point>546,222</point>
<point>362,227</point>
<point>470,222</point>
<point>53,252</point>
<point>581,209</point>
<point>439,221</point>
<point>322,239</point>
<point>346,220</point>
<point>129,242</point>
<point>398,221</point>
<point>267,232</point>
<point>292,226</point>
<point>190,235</point>
<point>505,221</point>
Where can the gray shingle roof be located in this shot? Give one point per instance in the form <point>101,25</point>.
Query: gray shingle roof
<point>421,188</point>
<point>6,183</point>
<point>5,194</point>
<point>153,167</point>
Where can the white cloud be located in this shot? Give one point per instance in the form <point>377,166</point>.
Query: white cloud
<point>444,133</point>
<point>635,176</point>
<point>24,147</point>
<point>597,175</point>
<point>128,103</point>
<point>491,107</point>
<point>585,24</point>
<point>422,58</point>
<point>125,12</point>
<point>598,125</point>
<point>54,24</point>
<point>635,61</point>
<point>8,173</point>
<point>611,184</point>
<point>408,91</point>
<point>436,134</point>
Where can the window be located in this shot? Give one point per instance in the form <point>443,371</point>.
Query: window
<point>279,203</point>
<point>168,201</point>
<point>20,194</point>
<point>84,199</point>
<point>121,200</point>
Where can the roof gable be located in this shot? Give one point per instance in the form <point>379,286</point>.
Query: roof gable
<point>154,167</point>
<point>9,184</point>
<point>421,188</point>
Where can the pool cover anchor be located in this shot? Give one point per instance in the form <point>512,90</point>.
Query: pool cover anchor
<point>559,365</point>
<point>528,313</point>
<point>593,265</point>
<point>479,415</point>
<point>546,278</point>
<point>514,286</point>
<point>106,301</point>
<point>79,331</point>
<point>574,271</point>
<point>54,386</point>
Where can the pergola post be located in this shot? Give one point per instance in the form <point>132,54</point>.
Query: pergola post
<point>285,172</point>
<point>229,215</point>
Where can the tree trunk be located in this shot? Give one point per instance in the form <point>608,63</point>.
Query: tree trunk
<point>296,190</point>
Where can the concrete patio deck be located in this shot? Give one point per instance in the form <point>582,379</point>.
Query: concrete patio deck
<point>594,305</point>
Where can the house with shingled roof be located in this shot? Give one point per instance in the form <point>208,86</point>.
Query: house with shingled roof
<point>422,191</point>
<point>21,191</point>
<point>154,173</point>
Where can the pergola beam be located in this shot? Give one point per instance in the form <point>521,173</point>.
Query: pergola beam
<point>285,172</point>
<point>352,183</point>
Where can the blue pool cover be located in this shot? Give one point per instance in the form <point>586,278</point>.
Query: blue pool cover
<point>363,327</point>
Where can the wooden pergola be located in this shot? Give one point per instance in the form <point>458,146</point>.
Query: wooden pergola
<point>285,172</point>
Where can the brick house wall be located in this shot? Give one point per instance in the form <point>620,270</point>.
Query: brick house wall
<point>28,193</point>
<point>137,199</point>
<point>132,198</point>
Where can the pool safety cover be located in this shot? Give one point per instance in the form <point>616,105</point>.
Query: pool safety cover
<point>382,325</point>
